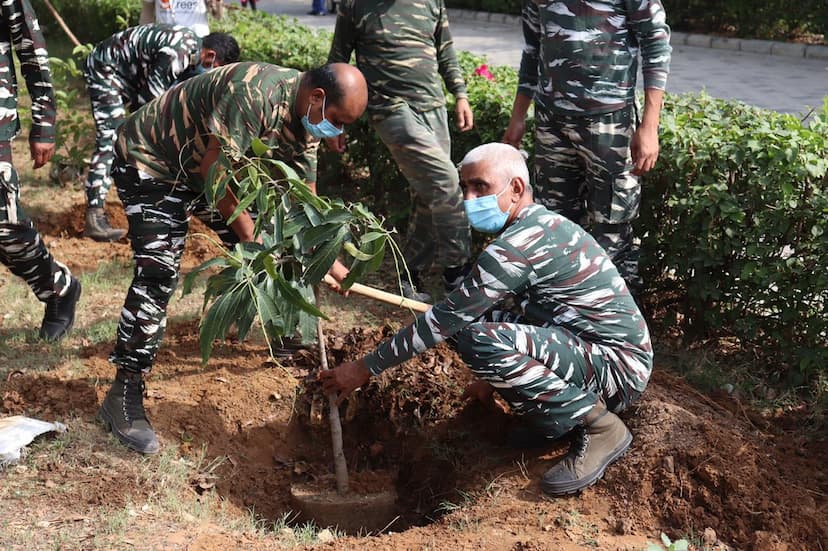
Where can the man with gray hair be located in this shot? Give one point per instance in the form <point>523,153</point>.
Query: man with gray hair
<point>577,353</point>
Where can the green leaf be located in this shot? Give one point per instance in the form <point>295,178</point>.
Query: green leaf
<point>260,149</point>
<point>324,257</point>
<point>245,202</point>
<point>317,235</point>
<point>218,319</point>
<point>190,278</point>
<point>295,298</point>
<point>351,249</point>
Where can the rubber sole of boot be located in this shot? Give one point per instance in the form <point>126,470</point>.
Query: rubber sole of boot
<point>105,239</point>
<point>104,417</point>
<point>76,297</point>
<point>575,486</point>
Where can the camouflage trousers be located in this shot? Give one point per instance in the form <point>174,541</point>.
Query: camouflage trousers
<point>421,147</point>
<point>22,250</point>
<point>582,171</point>
<point>548,375</point>
<point>109,111</point>
<point>159,217</point>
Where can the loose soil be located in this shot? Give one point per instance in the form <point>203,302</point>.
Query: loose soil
<point>697,462</point>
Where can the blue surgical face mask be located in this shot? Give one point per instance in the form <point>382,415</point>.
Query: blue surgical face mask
<point>322,129</point>
<point>484,213</point>
<point>200,69</point>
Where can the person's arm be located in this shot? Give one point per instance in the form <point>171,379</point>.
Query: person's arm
<point>147,12</point>
<point>171,60</point>
<point>345,34</point>
<point>449,69</point>
<point>644,146</point>
<point>648,21</point>
<point>527,75</point>
<point>499,269</point>
<point>243,225</point>
<point>30,47</point>
<point>342,46</point>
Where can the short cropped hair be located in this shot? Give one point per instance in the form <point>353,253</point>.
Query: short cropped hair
<point>505,159</point>
<point>226,48</point>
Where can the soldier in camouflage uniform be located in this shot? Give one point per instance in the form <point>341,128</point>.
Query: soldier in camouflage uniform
<point>580,64</point>
<point>124,72</point>
<point>21,248</point>
<point>403,48</point>
<point>577,353</point>
<point>164,153</point>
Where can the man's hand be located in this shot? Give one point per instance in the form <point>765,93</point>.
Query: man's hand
<point>339,272</point>
<point>344,379</point>
<point>41,152</point>
<point>483,392</point>
<point>336,144</point>
<point>465,117</point>
<point>644,149</point>
<point>514,132</point>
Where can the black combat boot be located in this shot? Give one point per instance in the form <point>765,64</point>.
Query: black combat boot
<point>60,313</point>
<point>602,439</point>
<point>98,228</point>
<point>122,411</point>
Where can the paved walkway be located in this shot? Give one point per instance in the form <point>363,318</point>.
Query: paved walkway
<point>786,84</point>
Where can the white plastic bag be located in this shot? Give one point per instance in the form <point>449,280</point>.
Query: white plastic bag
<point>18,431</point>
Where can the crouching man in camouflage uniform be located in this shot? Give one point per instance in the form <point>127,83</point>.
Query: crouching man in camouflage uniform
<point>21,248</point>
<point>580,64</point>
<point>404,48</point>
<point>164,153</point>
<point>578,353</point>
<point>127,70</point>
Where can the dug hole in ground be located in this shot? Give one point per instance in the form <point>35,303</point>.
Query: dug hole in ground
<point>696,461</point>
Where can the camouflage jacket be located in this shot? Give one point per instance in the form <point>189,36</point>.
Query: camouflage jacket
<point>146,60</point>
<point>20,32</point>
<point>401,48</point>
<point>581,57</point>
<point>167,138</point>
<point>560,276</point>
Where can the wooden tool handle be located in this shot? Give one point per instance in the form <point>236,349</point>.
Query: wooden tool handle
<point>383,296</point>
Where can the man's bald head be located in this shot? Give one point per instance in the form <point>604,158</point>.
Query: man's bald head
<point>340,86</point>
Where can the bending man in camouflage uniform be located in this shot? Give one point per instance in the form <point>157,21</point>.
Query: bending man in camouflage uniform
<point>21,248</point>
<point>580,64</point>
<point>579,351</point>
<point>124,72</point>
<point>403,48</point>
<point>164,153</point>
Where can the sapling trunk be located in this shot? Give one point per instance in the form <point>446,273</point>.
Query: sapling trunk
<point>340,465</point>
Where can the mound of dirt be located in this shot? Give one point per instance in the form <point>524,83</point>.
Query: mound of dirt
<point>63,233</point>
<point>695,463</point>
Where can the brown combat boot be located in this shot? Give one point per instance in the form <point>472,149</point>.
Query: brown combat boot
<point>98,228</point>
<point>602,439</point>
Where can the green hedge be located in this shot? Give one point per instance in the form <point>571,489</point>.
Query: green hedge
<point>768,19</point>
<point>90,20</point>
<point>736,221</point>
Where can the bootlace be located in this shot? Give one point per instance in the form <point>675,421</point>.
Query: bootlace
<point>134,400</point>
<point>580,443</point>
<point>53,308</point>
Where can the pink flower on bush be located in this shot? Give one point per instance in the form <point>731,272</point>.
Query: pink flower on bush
<point>483,71</point>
